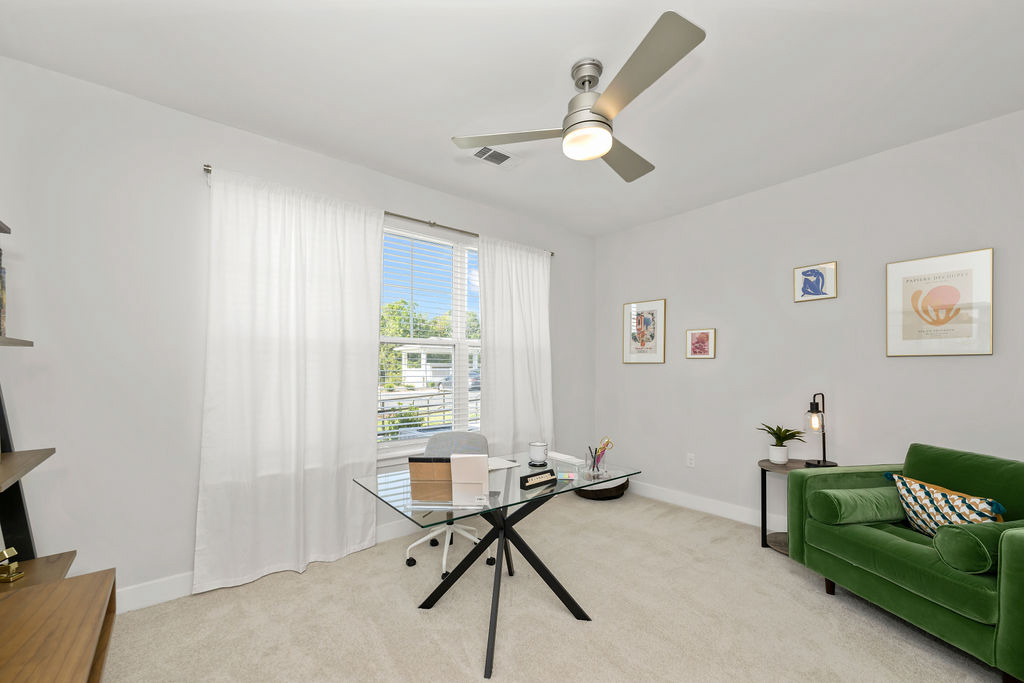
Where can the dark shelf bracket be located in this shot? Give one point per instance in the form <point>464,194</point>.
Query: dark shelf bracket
<point>13,514</point>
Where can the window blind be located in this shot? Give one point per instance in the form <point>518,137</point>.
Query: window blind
<point>429,361</point>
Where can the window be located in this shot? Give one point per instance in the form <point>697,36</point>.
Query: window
<point>429,360</point>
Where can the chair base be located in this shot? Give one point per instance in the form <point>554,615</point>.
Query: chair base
<point>449,530</point>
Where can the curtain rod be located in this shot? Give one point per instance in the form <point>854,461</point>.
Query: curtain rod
<point>431,223</point>
<point>208,169</point>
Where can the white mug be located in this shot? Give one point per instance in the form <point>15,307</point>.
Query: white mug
<point>538,452</point>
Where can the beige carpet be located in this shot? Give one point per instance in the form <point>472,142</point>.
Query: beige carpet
<point>675,595</point>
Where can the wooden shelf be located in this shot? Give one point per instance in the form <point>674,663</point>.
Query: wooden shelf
<point>11,341</point>
<point>58,632</point>
<point>41,570</point>
<point>16,464</point>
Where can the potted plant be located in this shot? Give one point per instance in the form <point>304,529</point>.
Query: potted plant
<point>778,453</point>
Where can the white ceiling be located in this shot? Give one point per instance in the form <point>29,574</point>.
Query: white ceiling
<point>779,89</point>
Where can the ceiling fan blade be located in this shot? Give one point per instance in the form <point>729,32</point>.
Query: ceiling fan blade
<point>471,141</point>
<point>671,39</point>
<point>627,163</point>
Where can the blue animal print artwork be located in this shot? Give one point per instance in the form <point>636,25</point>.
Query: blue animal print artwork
<point>811,283</point>
<point>814,283</point>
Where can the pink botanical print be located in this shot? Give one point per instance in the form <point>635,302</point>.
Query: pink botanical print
<point>699,344</point>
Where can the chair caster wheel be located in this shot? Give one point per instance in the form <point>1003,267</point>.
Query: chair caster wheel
<point>410,561</point>
<point>444,575</point>
<point>491,561</point>
<point>434,542</point>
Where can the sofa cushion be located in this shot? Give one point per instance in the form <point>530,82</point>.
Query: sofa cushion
<point>907,559</point>
<point>982,475</point>
<point>856,506</point>
<point>972,548</point>
<point>929,506</point>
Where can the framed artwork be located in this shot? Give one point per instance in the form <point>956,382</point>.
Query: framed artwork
<point>643,332</point>
<point>700,343</point>
<point>939,306</point>
<point>813,283</point>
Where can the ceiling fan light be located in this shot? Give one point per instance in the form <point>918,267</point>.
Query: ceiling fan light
<point>586,141</point>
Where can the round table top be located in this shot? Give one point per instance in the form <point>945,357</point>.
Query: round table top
<point>793,464</point>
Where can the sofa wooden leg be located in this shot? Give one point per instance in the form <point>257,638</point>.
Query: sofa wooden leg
<point>830,586</point>
<point>1007,678</point>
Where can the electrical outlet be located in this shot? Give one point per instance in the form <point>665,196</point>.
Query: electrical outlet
<point>691,460</point>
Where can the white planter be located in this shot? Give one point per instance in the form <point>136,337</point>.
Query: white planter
<point>778,454</point>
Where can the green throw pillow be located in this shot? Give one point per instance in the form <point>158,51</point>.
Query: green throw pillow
<point>972,548</point>
<point>856,506</point>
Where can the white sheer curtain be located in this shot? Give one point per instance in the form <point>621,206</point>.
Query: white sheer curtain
<point>515,396</point>
<point>291,380</point>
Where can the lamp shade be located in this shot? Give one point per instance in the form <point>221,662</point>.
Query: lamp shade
<point>588,140</point>
<point>814,418</point>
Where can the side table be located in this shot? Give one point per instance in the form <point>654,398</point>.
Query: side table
<point>779,540</point>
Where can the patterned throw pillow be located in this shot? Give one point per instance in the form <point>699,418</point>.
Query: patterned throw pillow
<point>929,507</point>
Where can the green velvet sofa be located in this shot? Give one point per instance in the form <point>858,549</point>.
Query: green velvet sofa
<point>897,568</point>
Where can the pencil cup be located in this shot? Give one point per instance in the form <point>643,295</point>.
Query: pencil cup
<point>596,466</point>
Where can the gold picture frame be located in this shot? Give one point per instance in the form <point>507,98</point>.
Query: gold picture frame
<point>643,331</point>
<point>698,346</point>
<point>816,282</point>
<point>939,305</point>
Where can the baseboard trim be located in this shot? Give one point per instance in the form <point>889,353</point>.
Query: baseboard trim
<point>708,505</point>
<point>396,529</point>
<point>153,592</point>
<point>156,591</point>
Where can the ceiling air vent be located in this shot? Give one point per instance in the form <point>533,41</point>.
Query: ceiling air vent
<point>492,155</point>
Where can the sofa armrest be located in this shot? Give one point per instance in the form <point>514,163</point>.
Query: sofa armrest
<point>803,482</point>
<point>1010,630</point>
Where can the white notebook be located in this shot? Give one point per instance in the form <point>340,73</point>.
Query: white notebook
<point>500,464</point>
<point>566,458</point>
<point>469,479</point>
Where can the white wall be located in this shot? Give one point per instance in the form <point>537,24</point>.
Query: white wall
<point>107,273</point>
<point>729,266</point>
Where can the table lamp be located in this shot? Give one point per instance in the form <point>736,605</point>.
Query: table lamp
<point>815,423</point>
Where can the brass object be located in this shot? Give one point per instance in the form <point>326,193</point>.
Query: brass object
<point>9,573</point>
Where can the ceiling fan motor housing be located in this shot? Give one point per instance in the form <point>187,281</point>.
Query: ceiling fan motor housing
<point>580,115</point>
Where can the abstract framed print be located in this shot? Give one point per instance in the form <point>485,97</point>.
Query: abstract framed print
<point>700,343</point>
<point>939,306</point>
<point>643,332</point>
<point>813,283</point>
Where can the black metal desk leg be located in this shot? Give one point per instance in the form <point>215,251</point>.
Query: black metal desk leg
<point>549,578</point>
<point>495,594</point>
<point>460,569</point>
<point>508,560</point>
<point>764,510</point>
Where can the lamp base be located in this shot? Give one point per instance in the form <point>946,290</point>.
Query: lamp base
<point>820,463</point>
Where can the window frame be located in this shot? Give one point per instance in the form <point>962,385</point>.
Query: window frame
<point>398,449</point>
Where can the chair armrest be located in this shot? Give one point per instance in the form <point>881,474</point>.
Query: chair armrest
<point>1010,630</point>
<point>803,482</point>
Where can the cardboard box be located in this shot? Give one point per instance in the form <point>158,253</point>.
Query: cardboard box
<point>430,479</point>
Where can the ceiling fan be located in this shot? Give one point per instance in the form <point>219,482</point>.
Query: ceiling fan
<point>586,130</point>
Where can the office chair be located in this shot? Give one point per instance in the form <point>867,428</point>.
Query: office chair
<point>440,446</point>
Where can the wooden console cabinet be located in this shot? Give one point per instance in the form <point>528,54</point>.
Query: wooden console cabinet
<point>57,632</point>
<point>52,629</point>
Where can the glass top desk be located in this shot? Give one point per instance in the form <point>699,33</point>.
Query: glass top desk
<point>508,505</point>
